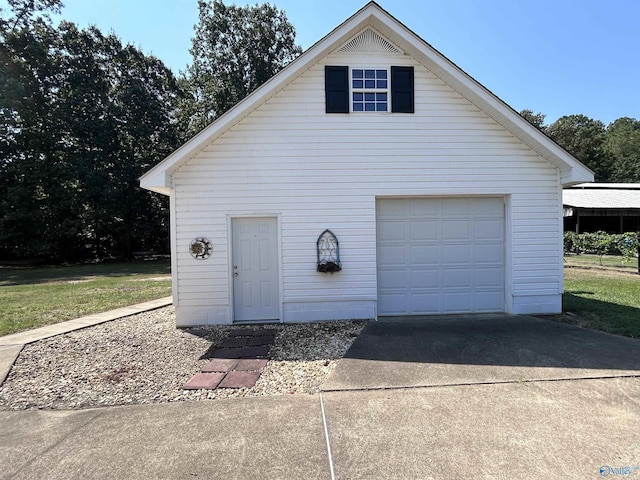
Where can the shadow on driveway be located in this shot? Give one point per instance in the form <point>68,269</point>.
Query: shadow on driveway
<point>451,350</point>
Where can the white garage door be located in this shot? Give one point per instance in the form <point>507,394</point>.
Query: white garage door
<point>443,255</point>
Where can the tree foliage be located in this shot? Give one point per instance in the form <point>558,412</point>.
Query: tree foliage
<point>584,138</point>
<point>622,145</point>
<point>235,50</point>
<point>83,116</point>
<point>22,12</point>
<point>612,152</point>
<point>535,119</point>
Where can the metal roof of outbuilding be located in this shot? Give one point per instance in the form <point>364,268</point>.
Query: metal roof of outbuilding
<point>603,195</point>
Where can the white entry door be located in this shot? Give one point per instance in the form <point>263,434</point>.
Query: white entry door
<point>256,293</point>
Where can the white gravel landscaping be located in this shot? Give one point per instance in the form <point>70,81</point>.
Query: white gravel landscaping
<point>144,358</point>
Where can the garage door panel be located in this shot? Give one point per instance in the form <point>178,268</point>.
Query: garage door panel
<point>392,255</point>
<point>489,253</point>
<point>456,278</point>
<point>417,208</point>
<point>456,207</point>
<point>392,230</point>
<point>487,301</point>
<point>423,230</point>
<point>391,208</point>
<point>489,277</point>
<point>456,230</point>
<point>457,302</point>
<point>488,207</point>
<point>396,304</point>
<point>425,304</point>
<point>489,229</point>
<point>457,254</point>
<point>394,279</point>
<point>421,255</point>
<point>442,255</point>
<point>424,279</point>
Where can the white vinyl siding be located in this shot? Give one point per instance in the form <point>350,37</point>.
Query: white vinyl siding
<point>317,171</point>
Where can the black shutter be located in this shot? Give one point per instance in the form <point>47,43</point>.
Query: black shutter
<point>402,90</point>
<point>336,89</point>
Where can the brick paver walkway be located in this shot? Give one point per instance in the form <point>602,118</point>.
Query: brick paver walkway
<point>238,361</point>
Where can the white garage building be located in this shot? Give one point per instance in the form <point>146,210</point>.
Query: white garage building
<point>370,177</point>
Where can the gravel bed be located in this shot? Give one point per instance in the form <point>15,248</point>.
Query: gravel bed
<point>144,358</point>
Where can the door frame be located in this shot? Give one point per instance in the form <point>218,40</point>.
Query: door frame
<point>230,218</point>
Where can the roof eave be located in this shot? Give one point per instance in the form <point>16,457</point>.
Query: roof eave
<point>218,127</point>
<point>157,180</point>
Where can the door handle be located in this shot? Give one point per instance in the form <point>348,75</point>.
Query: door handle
<point>235,274</point>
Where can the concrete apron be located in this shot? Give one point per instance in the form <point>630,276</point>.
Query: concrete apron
<point>266,438</point>
<point>496,397</point>
<point>439,351</point>
<point>571,429</point>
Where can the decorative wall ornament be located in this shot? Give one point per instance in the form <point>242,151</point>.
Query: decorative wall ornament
<point>328,253</point>
<point>200,248</point>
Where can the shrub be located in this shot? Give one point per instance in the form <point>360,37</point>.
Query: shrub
<point>601,243</point>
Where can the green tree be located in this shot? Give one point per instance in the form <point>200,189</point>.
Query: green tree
<point>535,119</point>
<point>235,50</point>
<point>22,12</point>
<point>584,138</point>
<point>622,144</point>
<point>32,177</point>
<point>83,116</point>
<point>119,110</point>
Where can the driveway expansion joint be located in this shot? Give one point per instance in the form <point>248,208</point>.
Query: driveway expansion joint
<point>472,384</point>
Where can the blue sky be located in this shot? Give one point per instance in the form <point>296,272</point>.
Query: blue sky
<point>558,57</point>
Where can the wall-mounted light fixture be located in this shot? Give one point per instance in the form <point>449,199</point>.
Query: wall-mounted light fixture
<point>328,253</point>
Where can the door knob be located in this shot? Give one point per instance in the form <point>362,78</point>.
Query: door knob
<point>235,274</point>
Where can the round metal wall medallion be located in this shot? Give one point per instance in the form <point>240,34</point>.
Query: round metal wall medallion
<point>200,248</point>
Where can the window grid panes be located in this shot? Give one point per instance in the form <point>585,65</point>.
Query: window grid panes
<point>369,90</point>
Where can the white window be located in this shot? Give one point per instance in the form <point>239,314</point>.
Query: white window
<point>369,90</point>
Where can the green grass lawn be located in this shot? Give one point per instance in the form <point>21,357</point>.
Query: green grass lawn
<point>606,261</point>
<point>604,298</point>
<point>34,297</point>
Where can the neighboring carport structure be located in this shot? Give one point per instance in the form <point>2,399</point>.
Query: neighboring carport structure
<point>610,207</point>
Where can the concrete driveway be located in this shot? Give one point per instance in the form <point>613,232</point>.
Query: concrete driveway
<point>497,397</point>
<point>491,397</point>
<point>441,351</point>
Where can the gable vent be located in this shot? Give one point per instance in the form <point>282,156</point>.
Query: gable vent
<point>369,42</point>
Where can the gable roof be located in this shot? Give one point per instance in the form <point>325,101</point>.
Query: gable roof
<point>372,15</point>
